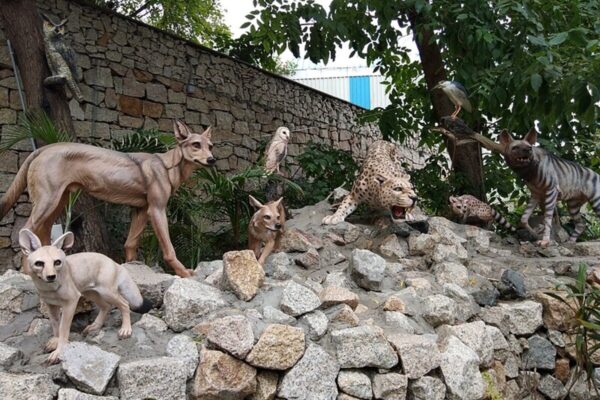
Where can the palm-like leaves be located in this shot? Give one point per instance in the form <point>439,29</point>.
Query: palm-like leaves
<point>39,127</point>
<point>143,141</point>
<point>228,195</point>
<point>34,126</point>
<point>224,190</point>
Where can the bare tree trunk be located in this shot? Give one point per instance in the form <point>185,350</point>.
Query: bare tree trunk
<point>90,228</point>
<point>466,159</point>
<point>22,25</point>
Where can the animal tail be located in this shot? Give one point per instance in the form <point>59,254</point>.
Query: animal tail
<point>502,221</point>
<point>131,292</point>
<point>75,91</point>
<point>17,186</point>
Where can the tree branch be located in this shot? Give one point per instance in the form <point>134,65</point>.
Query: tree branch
<point>140,9</point>
<point>461,139</point>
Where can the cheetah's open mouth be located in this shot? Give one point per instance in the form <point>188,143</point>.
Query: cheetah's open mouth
<point>398,212</point>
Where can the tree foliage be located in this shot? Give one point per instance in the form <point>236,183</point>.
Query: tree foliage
<point>200,21</point>
<point>197,20</point>
<point>521,60</point>
<point>246,49</point>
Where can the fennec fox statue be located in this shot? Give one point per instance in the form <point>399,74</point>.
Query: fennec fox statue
<point>61,280</point>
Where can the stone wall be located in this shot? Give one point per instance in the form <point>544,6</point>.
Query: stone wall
<point>134,76</point>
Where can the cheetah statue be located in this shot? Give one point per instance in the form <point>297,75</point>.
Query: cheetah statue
<point>381,183</point>
<point>470,209</point>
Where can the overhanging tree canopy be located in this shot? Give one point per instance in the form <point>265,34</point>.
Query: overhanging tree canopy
<point>197,20</point>
<point>521,60</point>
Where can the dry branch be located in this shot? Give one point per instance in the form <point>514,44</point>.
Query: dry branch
<point>457,131</point>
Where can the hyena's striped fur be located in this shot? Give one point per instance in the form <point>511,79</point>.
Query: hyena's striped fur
<point>550,179</point>
<point>469,208</point>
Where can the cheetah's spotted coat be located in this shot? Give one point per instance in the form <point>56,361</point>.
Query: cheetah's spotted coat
<point>381,183</point>
<point>470,209</point>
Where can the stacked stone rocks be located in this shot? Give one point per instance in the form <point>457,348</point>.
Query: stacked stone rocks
<point>384,313</point>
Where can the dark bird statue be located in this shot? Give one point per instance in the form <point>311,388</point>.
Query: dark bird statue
<point>457,94</point>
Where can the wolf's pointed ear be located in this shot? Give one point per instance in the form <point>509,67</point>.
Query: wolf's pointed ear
<point>65,241</point>
<point>452,199</point>
<point>181,130</point>
<point>208,133</point>
<point>28,241</point>
<point>278,202</point>
<point>254,203</point>
<point>505,138</point>
<point>531,136</point>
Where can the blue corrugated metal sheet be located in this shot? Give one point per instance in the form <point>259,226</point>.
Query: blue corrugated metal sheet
<point>340,87</point>
<point>360,92</point>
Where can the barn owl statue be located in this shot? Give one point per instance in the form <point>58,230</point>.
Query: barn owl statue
<point>277,150</point>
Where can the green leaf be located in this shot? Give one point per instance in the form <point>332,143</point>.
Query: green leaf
<point>245,25</point>
<point>578,36</point>
<point>537,40</point>
<point>558,38</point>
<point>536,82</point>
<point>592,43</point>
<point>419,5</point>
<point>589,325</point>
<point>557,297</point>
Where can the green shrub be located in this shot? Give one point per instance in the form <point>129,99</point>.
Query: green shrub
<point>324,168</point>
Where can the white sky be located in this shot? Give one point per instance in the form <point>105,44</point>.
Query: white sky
<point>235,15</point>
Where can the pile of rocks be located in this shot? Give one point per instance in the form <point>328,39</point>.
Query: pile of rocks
<point>353,311</point>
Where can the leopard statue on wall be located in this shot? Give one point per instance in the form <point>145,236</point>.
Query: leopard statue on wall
<point>381,183</point>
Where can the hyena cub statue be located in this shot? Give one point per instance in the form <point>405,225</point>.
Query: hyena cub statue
<point>550,179</point>
<point>470,209</point>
